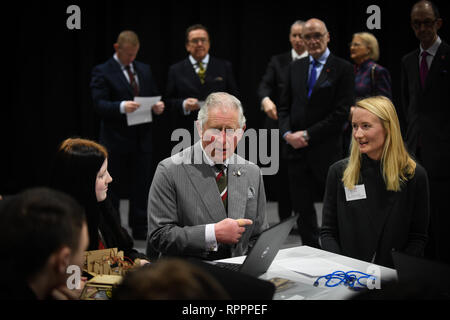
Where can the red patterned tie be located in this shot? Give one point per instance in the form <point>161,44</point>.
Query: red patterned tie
<point>423,68</point>
<point>222,184</point>
<point>133,82</point>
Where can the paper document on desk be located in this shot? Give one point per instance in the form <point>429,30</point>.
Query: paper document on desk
<point>143,114</point>
<point>312,266</point>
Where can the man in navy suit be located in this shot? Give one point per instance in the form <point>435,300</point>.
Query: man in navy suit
<point>114,85</point>
<point>192,79</point>
<point>426,96</point>
<point>314,105</point>
<point>269,93</point>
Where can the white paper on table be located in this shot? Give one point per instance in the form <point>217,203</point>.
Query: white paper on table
<point>312,266</point>
<point>143,114</point>
<point>296,297</point>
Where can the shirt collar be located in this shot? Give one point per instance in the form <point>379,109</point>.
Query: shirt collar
<point>120,63</point>
<point>296,56</point>
<point>433,49</point>
<point>323,58</point>
<point>204,61</point>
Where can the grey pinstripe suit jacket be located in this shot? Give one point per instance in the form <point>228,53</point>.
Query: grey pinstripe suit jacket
<point>184,197</point>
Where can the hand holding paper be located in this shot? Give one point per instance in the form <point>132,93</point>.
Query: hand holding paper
<point>143,114</point>
<point>131,106</point>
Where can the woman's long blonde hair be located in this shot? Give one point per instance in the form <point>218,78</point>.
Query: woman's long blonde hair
<point>397,164</point>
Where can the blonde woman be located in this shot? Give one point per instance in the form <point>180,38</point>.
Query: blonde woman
<point>377,200</point>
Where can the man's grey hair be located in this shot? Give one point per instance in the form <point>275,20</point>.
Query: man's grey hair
<point>299,22</point>
<point>217,99</point>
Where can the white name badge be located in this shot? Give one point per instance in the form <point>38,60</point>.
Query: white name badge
<point>358,193</point>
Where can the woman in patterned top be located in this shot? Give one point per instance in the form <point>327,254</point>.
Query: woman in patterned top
<point>371,79</point>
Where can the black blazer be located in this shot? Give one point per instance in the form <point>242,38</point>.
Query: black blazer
<point>183,82</point>
<point>273,82</point>
<point>274,78</point>
<point>109,88</point>
<point>323,114</point>
<point>384,221</point>
<point>427,110</point>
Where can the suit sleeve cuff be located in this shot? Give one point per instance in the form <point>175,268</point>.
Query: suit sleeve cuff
<point>122,107</point>
<point>262,105</point>
<point>210,238</point>
<point>185,112</point>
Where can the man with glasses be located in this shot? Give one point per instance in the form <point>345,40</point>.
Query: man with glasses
<point>425,98</point>
<point>206,201</point>
<point>191,80</point>
<point>314,105</point>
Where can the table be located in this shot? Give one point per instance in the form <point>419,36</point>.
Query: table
<point>303,287</point>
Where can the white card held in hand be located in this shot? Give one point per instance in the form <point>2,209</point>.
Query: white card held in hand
<point>357,193</point>
<point>143,114</point>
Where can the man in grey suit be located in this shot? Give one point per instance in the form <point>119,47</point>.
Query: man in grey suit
<point>206,201</point>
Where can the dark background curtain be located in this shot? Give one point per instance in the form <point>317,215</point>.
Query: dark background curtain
<point>47,68</point>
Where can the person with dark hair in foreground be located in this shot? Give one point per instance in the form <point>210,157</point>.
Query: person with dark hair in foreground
<point>169,279</point>
<point>42,233</point>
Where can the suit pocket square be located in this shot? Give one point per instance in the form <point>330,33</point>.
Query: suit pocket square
<point>218,79</point>
<point>251,193</point>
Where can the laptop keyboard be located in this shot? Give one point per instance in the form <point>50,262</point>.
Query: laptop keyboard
<point>229,266</point>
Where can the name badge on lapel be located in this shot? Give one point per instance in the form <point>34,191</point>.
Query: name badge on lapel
<point>358,193</point>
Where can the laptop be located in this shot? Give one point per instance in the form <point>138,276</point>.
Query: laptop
<point>431,277</point>
<point>265,249</point>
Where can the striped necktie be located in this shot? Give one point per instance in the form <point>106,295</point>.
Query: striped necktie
<point>201,72</point>
<point>133,82</point>
<point>222,184</point>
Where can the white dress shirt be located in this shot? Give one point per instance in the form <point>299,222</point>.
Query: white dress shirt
<point>431,52</point>
<point>210,234</point>
<point>296,56</point>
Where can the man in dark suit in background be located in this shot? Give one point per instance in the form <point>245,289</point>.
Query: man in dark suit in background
<point>314,105</point>
<point>192,79</point>
<point>114,85</point>
<point>269,93</point>
<point>426,98</point>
